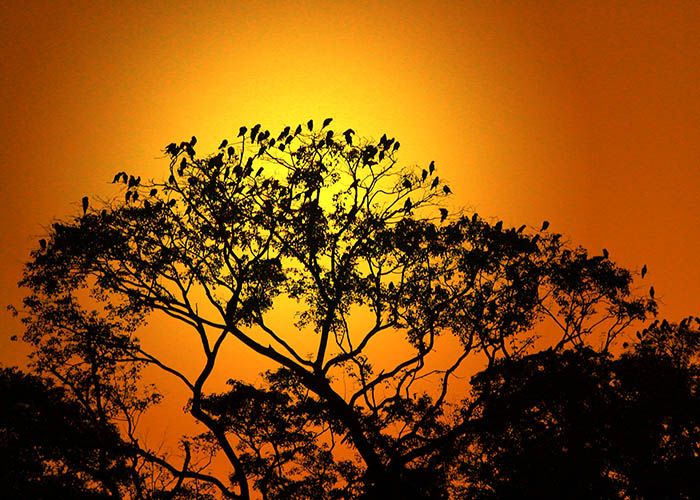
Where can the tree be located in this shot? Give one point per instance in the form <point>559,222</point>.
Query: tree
<point>52,449</point>
<point>333,224</point>
<point>585,424</point>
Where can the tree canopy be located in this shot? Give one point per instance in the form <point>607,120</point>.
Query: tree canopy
<point>335,225</point>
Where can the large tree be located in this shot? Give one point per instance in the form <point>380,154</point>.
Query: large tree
<point>331,224</point>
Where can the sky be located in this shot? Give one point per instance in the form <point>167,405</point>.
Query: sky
<point>586,114</point>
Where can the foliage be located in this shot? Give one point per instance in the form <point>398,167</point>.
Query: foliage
<point>333,224</point>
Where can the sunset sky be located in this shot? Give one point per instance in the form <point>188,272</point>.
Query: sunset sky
<point>586,114</point>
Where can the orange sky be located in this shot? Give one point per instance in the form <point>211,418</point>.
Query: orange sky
<point>583,113</point>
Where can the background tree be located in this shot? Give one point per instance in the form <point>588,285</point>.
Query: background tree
<point>334,224</point>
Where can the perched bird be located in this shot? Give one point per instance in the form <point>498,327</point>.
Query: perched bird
<point>443,214</point>
<point>153,192</point>
<point>310,124</point>
<point>348,135</point>
<point>397,145</point>
<point>254,131</point>
<point>644,270</point>
<point>297,131</point>
<point>446,189</point>
<point>475,217</point>
<point>193,141</point>
<point>216,161</point>
<point>329,136</point>
<point>435,183</point>
<point>223,144</point>
<point>545,225</point>
<point>499,225</point>
<point>652,292</point>
<point>172,149</point>
<point>407,184</point>
<point>431,167</point>
<point>230,151</point>
<point>127,196</point>
<point>117,177</point>
<point>326,122</point>
<point>242,131</point>
<point>606,254</point>
<point>424,174</point>
<point>521,228</point>
<point>42,244</point>
<point>408,205</point>
<point>85,204</point>
<point>259,172</point>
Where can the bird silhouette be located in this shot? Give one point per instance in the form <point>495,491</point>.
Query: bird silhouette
<point>85,204</point>
<point>172,149</point>
<point>397,145</point>
<point>259,171</point>
<point>644,270</point>
<point>652,292</point>
<point>153,192</point>
<point>446,189</point>
<point>407,205</point>
<point>443,214</point>
<point>407,184</point>
<point>326,122</point>
<point>499,225</point>
<point>223,144</point>
<point>424,174</point>
<point>42,244</point>
<point>435,183</point>
<point>606,254</point>
<point>545,225</point>
<point>431,167</point>
<point>348,135</point>
<point>284,133</point>
<point>475,217</point>
<point>193,141</point>
<point>242,131</point>
<point>254,131</point>
<point>310,124</point>
<point>230,151</point>
<point>297,131</point>
<point>127,196</point>
<point>521,229</point>
<point>116,178</point>
<point>329,136</point>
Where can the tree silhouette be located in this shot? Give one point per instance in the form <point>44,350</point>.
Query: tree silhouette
<point>332,225</point>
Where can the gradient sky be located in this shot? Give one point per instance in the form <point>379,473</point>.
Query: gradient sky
<point>583,113</point>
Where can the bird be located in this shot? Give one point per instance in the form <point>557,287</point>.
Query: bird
<point>153,192</point>
<point>259,172</point>
<point>85,204</point>
<point>652,292</point>
<point>254,131</point>
<point>242,131</point>
<point>397,145</point>
<point>223,144</point>
<point>545,225</point>
<point>443,214</point>
<point>644,270</point>
<point>329,136</point>
<point>310,124</point>
<point>499,225</point>
<point>13,338</point>
<point>407,184</point>
<point>172,149</point>
<point>193,141</point>
<point>606,254</point>
<point>431,167</point>
<point>521,229</point>
<point>117,177</point>
<point>424,174</point>
<point>127,196</point>
<point>42,244</point>
<point>435,183</point>
<point>446,189</point>
<point>326,122</point>
<point>231,151</point>
<point>297,131</point>
<point>408,205</point>
<point>348,135</point>
<point>475,217</point>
